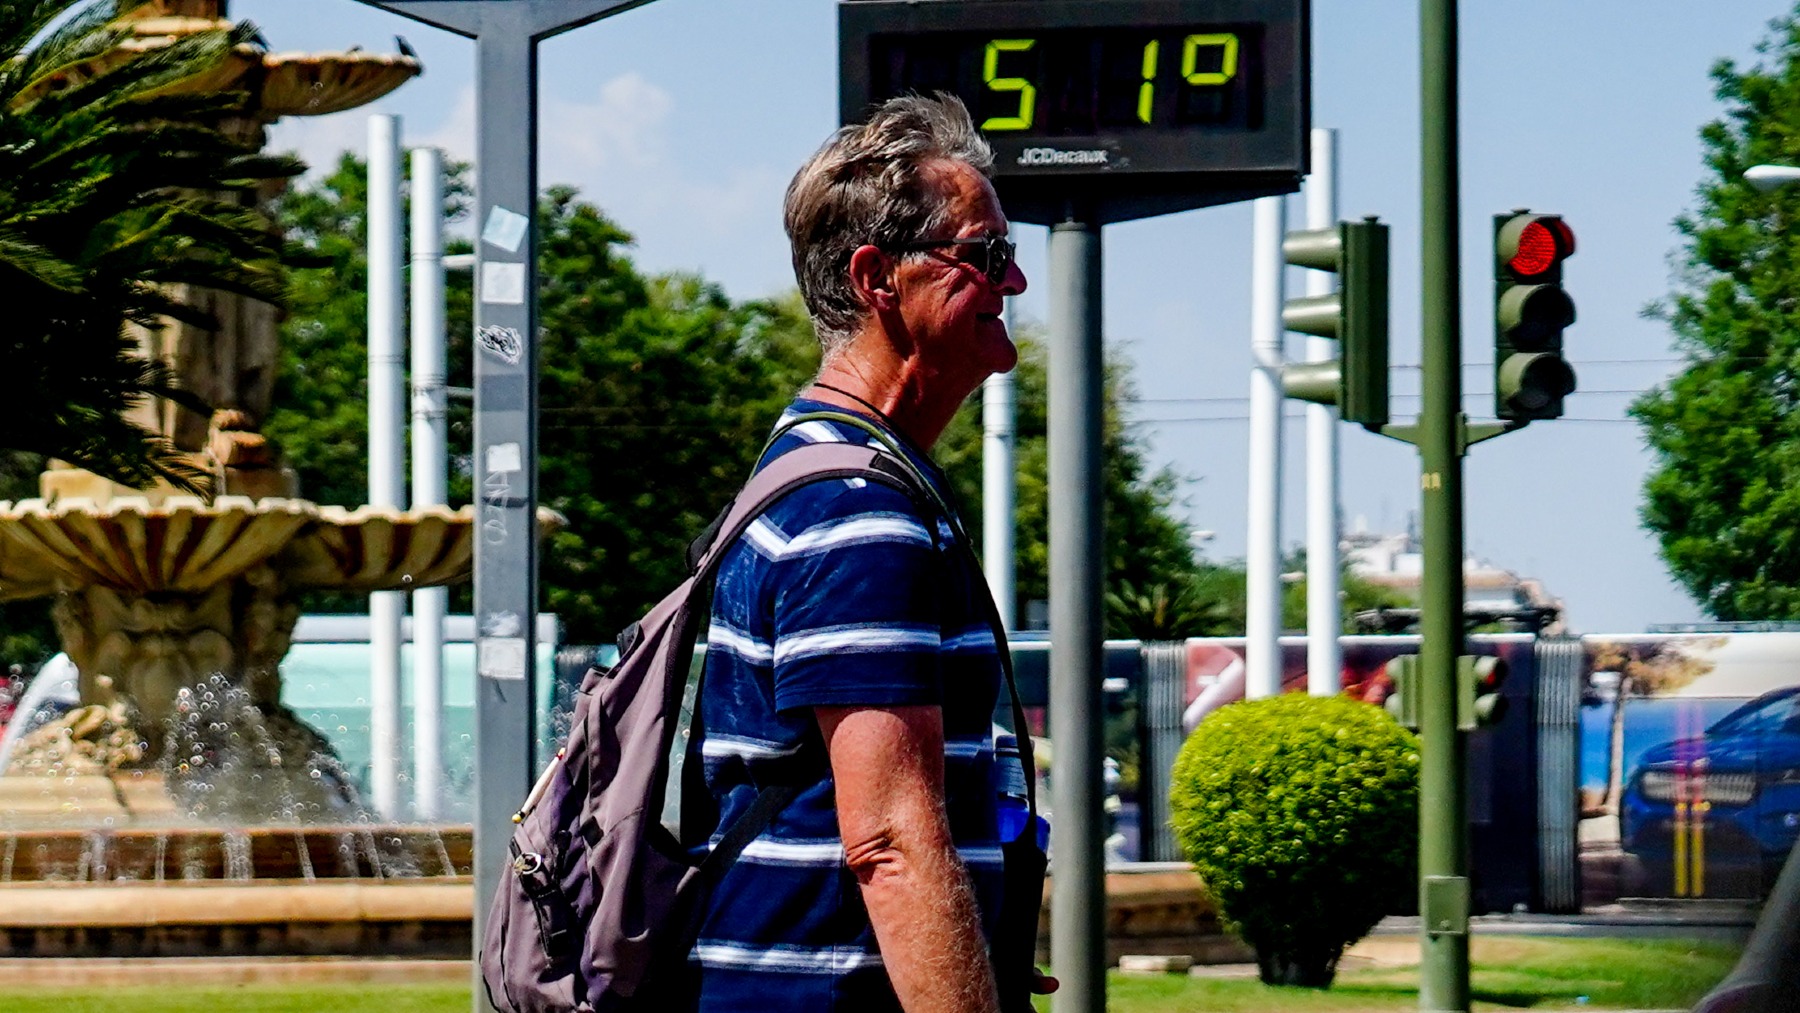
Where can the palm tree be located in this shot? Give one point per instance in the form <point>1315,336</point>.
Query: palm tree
<point>116,184</point>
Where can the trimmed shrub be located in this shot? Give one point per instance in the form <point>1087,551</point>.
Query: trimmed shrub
<point>1301,815</point>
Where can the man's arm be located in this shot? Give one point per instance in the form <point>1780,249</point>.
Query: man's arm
<point>888,765</point>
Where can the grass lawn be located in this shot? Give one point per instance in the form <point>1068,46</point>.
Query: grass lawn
<point>1510,973</point>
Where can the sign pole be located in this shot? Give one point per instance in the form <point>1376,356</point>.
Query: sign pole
<point>506,34</point>
<point>505,460</point>
<point>1078,886</point>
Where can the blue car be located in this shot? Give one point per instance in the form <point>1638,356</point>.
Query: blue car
<point>1715,815</point>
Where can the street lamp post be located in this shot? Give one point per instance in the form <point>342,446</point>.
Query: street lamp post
<point>1771,177</point>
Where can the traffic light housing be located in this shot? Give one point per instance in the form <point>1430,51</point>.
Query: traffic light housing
<point>1403,700</point>
<point>1531,378</point>
<point>1478,699</point>
<point>1356,315</point>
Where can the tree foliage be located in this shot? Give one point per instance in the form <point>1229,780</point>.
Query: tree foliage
<point>1300,814</point>
<point>1724,493</point>
<point>656,394</point>
<point>114,185</point>
<point>1148,555</point>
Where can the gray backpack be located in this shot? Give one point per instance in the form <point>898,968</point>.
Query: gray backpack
<point>603,900</point>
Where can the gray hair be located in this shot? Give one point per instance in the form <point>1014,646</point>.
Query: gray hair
<point>870,185</point>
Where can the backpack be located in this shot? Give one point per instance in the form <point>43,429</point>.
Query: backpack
<point>602,900</point>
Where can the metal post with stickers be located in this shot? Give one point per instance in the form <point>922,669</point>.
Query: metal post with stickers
<point>506,34</point>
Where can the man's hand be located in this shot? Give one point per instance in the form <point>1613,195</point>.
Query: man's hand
<point>888,765</point>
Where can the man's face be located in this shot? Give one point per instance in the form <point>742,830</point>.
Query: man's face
<point>953,313</point>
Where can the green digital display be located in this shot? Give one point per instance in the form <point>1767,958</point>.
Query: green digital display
<point>1083,84</point>
<point>1136,106</point>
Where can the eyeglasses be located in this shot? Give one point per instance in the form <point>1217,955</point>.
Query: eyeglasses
<point>996,257</point>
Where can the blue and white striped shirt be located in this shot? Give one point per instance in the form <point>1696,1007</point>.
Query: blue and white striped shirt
<point>839,596</point>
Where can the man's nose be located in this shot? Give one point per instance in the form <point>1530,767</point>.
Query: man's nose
<point>1015,280</point>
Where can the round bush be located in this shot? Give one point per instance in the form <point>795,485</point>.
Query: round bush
<point>1301,815</point>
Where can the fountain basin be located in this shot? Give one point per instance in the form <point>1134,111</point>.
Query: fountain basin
<point>131,545</point>
<point>174,855</point>
<point>394,919</point>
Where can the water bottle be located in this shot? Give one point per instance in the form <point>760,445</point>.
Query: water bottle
<point>1011,804</point>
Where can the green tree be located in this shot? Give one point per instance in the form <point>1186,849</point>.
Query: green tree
<point>656,394</point>
<point>1355,594</point>
<point>1147,551</point>
<point>114,186</point>
<point>1725,431</point>
<point>1217,592</point>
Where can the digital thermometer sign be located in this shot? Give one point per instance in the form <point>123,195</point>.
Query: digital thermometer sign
<point>1135,107</point>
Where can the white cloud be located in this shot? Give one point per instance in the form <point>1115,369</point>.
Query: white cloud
<point>624,128</point>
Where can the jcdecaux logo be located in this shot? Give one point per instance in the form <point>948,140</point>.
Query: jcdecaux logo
<point>1057,156</point>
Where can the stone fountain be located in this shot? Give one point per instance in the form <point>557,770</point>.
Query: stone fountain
<point>178,611</point>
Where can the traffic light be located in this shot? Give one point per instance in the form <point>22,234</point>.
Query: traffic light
<point>1530,311</point>
<point>1403,700</point>
<point>1356,315</point>
<point>1478,699</point>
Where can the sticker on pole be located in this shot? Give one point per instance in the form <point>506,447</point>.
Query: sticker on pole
<point>505,457</point>
<point>503,343</point>
<point>502,284</point>
<point>505,229</point>
<point>500,657</point>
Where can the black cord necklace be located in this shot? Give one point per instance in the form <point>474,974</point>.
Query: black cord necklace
<point>905,440</point>
<point>878,413</point>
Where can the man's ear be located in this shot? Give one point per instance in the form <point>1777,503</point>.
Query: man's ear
<point>872,276</point>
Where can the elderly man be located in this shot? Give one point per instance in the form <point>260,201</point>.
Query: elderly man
<point>849,647</point>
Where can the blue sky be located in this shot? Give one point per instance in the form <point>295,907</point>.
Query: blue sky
<point>684,119</point>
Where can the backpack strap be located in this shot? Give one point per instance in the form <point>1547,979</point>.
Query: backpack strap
<point>921,489</point>
<point>801,467</point>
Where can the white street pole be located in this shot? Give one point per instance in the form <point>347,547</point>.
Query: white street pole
<point>998,473</point>
<point>430,471</point>
<point>387,423</point>
<point>1262,554</point>
<point>1771,177</point>
<point>1324,658</point>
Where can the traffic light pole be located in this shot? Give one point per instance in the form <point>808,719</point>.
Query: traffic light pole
<point>1443,846</point>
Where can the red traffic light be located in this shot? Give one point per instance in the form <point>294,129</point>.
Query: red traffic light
<point>1537,244</point>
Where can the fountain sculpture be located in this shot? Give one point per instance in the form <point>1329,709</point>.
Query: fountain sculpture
<point>177,611</point>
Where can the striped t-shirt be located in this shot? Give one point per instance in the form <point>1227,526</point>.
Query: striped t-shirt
<point>839,596</point>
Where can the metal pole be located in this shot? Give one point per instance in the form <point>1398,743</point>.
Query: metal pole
<point>1324,659</point>
<point>506,371</point>
<point>387,426</point>
<point>430,466</point>
<point>997,477</point>
<point>506,34</point>
<point>1443,831</point>
<point>1262,552</point>
<point>1078,896</point>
